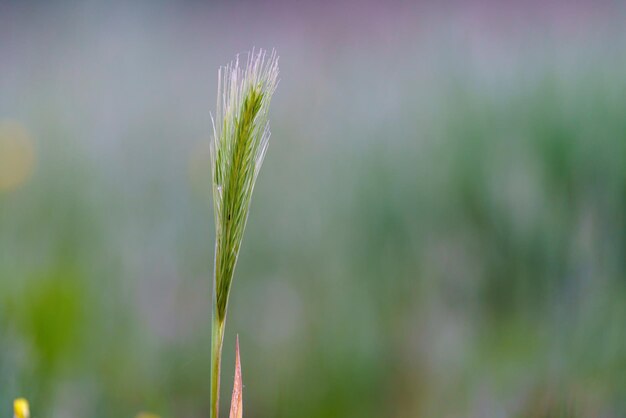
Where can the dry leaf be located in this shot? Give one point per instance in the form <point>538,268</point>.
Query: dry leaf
<point>236,404</point>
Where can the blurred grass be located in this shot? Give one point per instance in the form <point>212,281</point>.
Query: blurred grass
<point>440,233</point>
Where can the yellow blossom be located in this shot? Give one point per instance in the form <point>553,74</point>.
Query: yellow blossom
<point>20,408</point>
<point>146,415</point>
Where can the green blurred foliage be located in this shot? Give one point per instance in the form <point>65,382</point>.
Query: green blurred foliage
<point>432,234</point>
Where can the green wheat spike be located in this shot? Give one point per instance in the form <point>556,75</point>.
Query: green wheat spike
<point>240,138</point>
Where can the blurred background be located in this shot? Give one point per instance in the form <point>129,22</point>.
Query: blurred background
<point>439,229</point>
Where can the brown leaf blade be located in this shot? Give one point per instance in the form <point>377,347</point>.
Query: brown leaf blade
<point>236,404</point>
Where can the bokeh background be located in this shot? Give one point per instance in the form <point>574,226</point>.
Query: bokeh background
<point>439,229</point>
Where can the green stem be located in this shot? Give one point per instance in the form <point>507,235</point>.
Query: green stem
<point>217,339</point>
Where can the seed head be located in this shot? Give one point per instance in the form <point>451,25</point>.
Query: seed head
<point>240,137</point>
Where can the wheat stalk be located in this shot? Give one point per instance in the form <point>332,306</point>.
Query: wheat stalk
<point>240,138</point>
